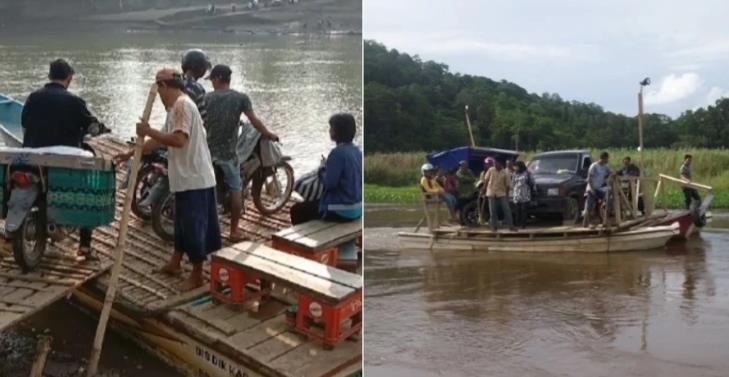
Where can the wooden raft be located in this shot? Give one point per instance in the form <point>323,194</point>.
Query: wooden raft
<point>262,339</point>
<point>317,235</point>
<point>141,290</point>
<point>22,295</point>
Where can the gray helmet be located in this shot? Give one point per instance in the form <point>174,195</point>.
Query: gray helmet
<point>195,60</point>
<point>426,168</point>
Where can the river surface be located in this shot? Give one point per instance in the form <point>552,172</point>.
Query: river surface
<point>295,83</point>
<point>650,313</point>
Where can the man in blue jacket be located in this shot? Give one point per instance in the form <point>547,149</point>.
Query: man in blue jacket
<point>341,177</point>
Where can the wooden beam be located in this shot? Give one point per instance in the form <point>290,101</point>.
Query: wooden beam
<point>686,184</point>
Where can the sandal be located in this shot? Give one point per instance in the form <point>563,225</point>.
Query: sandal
<point>86,254</point>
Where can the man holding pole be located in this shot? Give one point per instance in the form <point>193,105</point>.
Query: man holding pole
<point>192,179</point>
<point>689,193</point>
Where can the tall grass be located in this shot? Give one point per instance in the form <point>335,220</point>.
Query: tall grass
<point>709,167</point>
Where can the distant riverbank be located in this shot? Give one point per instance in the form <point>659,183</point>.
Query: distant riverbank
<point>329,17</point>
<point>393,177</point>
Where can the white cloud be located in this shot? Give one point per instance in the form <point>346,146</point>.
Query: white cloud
<point>673,88</point>
<point>715,93</point>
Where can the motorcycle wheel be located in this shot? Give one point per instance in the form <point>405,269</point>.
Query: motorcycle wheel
<point>29,242</point>
<point>271,190</point>
<point>163,218</point>
<point>145,180</point>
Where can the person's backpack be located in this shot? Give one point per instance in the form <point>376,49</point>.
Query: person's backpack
<point>309,186</point>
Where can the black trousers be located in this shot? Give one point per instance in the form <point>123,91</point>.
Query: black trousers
<point>520,214</point>
<point>85,237</point>
<point>307,211</point>
<point>689,194</point>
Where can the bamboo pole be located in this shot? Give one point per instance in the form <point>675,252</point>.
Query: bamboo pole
<point>44,346</point>
<point>686,184</point>
<point>470,131</point>
<point>121,243</point>
<point>617,207</point>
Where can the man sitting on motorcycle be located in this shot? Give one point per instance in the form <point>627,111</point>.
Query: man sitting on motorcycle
<point>53,116</point>
<point>225,106</point>
<point>191,175</point>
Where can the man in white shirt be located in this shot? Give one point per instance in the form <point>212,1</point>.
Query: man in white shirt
<point>191,174</point>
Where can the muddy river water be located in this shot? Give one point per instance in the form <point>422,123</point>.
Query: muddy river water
<point>649,313</point>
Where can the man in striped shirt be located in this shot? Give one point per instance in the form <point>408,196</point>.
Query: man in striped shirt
<point>195,64</point>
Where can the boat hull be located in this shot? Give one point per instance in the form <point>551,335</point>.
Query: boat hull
<point>640,239</point>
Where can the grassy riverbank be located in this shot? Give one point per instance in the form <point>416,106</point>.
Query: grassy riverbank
<point>393,177</point>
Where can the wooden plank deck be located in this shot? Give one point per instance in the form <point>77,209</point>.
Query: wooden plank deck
<point>254,335</point>
<point>22,295</point>
<point>264,340</point>
<point>140,289</point>
<point>318,235</point>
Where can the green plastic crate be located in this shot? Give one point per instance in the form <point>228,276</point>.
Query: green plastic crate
<point>84,198</point>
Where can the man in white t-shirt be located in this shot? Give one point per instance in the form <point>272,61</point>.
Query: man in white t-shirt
<point>191,174</point>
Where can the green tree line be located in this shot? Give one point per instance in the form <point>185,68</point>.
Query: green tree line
<point>415,105</point>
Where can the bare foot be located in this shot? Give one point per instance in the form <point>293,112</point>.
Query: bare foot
<point>170,270</point>
<point>191,283</point>
<point>237,237</point>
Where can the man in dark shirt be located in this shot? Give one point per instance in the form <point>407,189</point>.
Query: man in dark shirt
<point>689,193</point>
<point>53,116</point>
<point>629,169</point>
<point>225,107</point>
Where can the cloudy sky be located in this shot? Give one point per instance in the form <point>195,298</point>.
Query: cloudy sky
<point>593,51</point>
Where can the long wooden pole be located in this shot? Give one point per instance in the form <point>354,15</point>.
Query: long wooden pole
<point>121,243</point>
<point>470,131</point>
<point>44,346</point>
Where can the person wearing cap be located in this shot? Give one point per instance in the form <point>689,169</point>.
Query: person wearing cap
<point>191,176</point>
<point>225,107</point>
<point>496,184</point>
<point>53,116</point>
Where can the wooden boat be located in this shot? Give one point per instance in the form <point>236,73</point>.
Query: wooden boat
<point>544,240</point>
<point>190,331</point>
<point>10,125</point>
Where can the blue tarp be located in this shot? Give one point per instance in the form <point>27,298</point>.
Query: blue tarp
<point>449,159</point>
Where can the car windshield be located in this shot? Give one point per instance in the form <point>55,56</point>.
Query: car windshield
<point>553,165</point>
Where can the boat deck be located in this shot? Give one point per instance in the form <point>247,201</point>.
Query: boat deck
<point>22,295</point>
<point>261,341</point>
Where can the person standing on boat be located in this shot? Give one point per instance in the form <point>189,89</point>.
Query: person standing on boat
<point>466,183</point>
<point>597,176</point>
<point>53,116</point>
<point>195,64</point>
<point>488,163</point>
<point>523,187</point>
<point>497,182</point>
<point>191,175</point>
<point>225,106</point>
<point>689,193</point>
<point>629,169</point>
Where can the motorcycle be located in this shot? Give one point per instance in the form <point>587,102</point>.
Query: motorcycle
<point>28,225</point>
<point>152,183</point>
<point>270,187</point>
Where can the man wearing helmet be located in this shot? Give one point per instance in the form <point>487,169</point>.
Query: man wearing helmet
<point>430,186</point>
<point>195,64</point>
